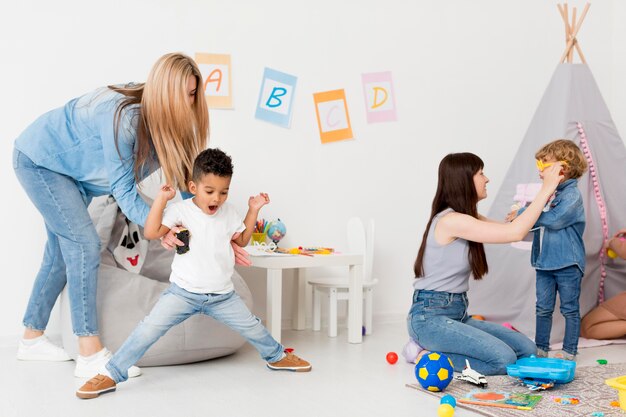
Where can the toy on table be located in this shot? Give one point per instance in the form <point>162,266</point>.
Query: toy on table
<point>542,373</point>
<point>259,234</point>
<point>472,376</point>
<point>392,358</point>
<point>276,230</point>
<point>434,371</point>
<point>183,236</point>
<point>619,384</point>
<point>307,251</point>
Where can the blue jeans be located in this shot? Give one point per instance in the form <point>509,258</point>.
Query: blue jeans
<point>438,321</point>
<point>565,281</point>
<point>175,306</point>
<point>72,252</point>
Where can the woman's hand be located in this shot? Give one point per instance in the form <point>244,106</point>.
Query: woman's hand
<point>241,256</point>
<point>170,241</point>
<point>552,176</point>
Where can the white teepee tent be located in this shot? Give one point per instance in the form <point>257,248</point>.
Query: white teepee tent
<point>572,108</point>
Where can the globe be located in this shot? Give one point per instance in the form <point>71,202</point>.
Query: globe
<point>276,231</point>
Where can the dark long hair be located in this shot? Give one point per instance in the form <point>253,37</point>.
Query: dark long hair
<point>456,190</point>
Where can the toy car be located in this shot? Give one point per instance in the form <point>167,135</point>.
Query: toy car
<point>472,376</point>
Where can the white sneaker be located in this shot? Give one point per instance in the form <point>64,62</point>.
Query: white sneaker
<point>88,369</point>
<point>41,350</point>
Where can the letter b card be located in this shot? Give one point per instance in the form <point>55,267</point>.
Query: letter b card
<point>276,97</point>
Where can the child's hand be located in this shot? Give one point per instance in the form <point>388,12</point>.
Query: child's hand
<point>511,216</point>
<point>258,201</point>
<point>167,192</point>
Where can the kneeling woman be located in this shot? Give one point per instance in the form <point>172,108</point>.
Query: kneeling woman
<point>452,250</point>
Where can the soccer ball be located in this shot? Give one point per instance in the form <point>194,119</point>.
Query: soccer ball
<point>434,371</point>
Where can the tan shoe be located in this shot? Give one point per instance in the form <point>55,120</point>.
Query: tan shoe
<point>290,363</point>
<point>99,384</point>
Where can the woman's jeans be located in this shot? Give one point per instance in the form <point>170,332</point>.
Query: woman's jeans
<point>72,253</point>
<point>175,306</point>
<point>438,321</point>
<point>565,281</point>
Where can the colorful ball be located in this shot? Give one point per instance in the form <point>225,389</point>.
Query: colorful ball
<point>445,410</point>
<point>448,399</point>
<point>434,371</point>
<point>392,357</point>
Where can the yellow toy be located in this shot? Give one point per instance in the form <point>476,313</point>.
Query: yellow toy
<point>619,384</point>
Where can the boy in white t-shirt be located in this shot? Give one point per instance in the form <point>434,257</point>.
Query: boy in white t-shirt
<point>201,278</point>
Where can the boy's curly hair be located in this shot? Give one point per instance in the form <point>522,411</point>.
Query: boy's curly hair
<point>565,150</point>
<point>212,161</point>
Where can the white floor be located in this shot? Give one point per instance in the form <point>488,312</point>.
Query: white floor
<point>347,380</point>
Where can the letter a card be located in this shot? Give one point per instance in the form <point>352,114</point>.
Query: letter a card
<point>380,100</point>
<point>276,97</point>
<point>333,119</point>
<point>216,75</point>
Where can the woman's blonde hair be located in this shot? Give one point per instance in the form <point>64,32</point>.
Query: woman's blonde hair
<point>565,150</point>
<point>168,125</point>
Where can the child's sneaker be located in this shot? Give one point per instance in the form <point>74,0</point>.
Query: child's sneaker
<point>541,353</point>
<point>99,384</point>
<point>40,349</point>
<point>290,363</point>
<point>86,367</point>
<point>566,356</point>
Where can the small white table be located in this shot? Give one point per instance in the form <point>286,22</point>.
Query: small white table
<point>275,265</point>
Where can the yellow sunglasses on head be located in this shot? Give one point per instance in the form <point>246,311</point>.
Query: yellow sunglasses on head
<point>543,165</point>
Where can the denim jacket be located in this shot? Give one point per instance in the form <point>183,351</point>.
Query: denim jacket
<point>558,238</point>
<point>77,140</point>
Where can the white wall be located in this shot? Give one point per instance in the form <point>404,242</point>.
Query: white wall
<point>468,77</point>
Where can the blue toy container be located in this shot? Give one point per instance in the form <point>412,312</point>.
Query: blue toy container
<point>543,369</point>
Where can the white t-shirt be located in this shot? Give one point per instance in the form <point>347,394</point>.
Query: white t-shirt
<point>209,264</point>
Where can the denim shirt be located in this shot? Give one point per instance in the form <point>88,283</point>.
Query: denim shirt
<point>558,238</point>
<point>78,140</point>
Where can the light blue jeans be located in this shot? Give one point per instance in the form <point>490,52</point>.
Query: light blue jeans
<point>72,252</point>
<point>565,281</point>
<point>438,321</point>
<point>175,306</point>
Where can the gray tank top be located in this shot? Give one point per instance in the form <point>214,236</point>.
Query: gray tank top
<point>446,267</point>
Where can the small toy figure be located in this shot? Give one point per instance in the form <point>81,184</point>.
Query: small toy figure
<point>472,376</point>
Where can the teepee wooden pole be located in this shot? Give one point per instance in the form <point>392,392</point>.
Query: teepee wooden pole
<point>570,43</point>
<point>580,53</point>
<point>570,56</point>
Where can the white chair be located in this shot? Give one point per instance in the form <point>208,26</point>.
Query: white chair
<point>337,287</point>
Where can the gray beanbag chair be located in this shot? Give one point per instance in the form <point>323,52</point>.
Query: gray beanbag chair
<point>125,297</point>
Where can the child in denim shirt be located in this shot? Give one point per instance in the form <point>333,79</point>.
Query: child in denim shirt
<point>558,250</point>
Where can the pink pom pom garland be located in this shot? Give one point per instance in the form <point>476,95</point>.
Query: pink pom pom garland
<point>599,202</point>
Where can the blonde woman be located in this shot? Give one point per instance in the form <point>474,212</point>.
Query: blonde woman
<point>104,142</point>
